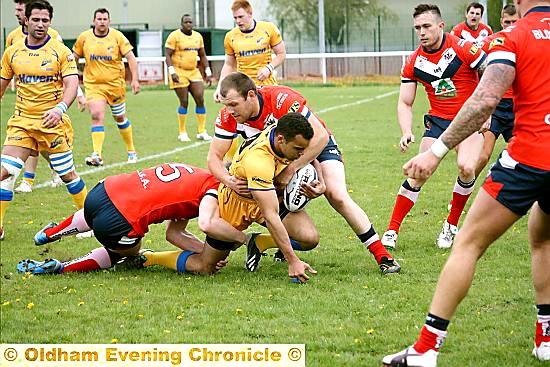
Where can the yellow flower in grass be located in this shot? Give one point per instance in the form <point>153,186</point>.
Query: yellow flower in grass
<point>370,331</point>
<point>125,302</point>
<point>5,303</point>
<point>30,306</point>
<point>81,303</point>
<point>114,341</point>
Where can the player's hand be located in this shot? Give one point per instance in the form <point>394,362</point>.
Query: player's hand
<point>485,127</point>
<point>405,141</point>
<point>238,185</point>
<point>298,269</point>
<point>263,74</point>
<point>175,78</point>
<point>422,165</point>
<point>208,81</point>
<point>220,264</point>
<point>52,118</point>
<point>283,178</point>
<point>217,96</point>
<point>135,87</point>
<point>313,189</point>
<point>81,102</point>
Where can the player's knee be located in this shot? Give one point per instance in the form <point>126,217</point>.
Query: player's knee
<point>63,165</point>
<point>337,198</point>
<point>310,241</point>
<point>467,169</point>
<point>205,225</point>
<point>11,168</point>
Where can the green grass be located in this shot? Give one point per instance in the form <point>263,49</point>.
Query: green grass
<point>348,315</point>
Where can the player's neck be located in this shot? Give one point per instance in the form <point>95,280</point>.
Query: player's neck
<point>472,27</point>
<point>187,33</point>
<point>99,33</point>
<point>34,42</point>
<point>250,26</point>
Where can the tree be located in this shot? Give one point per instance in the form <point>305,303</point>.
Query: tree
<point>301,17</point>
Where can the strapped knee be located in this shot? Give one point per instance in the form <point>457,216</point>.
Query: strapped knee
<point>118,109</point>
<point>62,163</point>
<point>13,165</point>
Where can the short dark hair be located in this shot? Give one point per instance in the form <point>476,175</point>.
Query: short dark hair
<point>238,81</point>
<point>186,15</point>
<point>475,6</point>
<point>102,11</point>
<point>509,9</point>
<point>22,1</point>
<point>38,4</point>
<point>294,124</point>
<point>426,8</point>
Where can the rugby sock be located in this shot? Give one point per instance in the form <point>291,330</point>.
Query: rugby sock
<point>3,207</point>
<point>98,137</point>
<point>182,119</point>
<point>77,191</point>
<point>201,119</point>
<point>432,334</point>
<point>99,258</point>
<point>265,241</point>
<point>232,150</point>
<point>70,226</point>
<point>461,193</point>
<point>371,240</point>
<point>542,331</point>
<point>168,259</point>
<point>125,130</point>
<point>406,198</point>
<point>29,177</point>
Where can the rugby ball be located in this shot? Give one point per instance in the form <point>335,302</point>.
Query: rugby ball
<point>293,199</point>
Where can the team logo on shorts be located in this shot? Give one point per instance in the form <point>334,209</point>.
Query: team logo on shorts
<point>294,108</point>
<point>14,138</point>
<point>56,142</point>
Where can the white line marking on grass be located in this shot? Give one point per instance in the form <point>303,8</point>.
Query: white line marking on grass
<point>194,145</point>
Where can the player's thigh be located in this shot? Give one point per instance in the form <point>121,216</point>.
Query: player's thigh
<point>425,144</point>
<point>97,109</point>
<point>489,140</point>
<point>300,227</point>
<point>334,175</point>
<point>55,140</point>
<point>239,212</point>
<point>182,94</point>
<point>539,223</point>
<point>197,91</point>
<point>469,150</point>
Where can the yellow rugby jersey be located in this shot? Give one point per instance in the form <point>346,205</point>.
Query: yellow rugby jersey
<point>103,55</point>
<point>257,162</point>
<point>186,49</point>
<point>18,34</point>
<point>39,72</point>
<point>253,49</point>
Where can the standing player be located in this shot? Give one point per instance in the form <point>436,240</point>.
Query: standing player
<point>103,48</point>
<point>182,48</point>
<point>14,36</point>
<point>248,111</point>
<point>446,66</point>
<point>473,29</point>
<point>121,208</point>
<point>47,79</point>
<point>519,180</point>
<point>502,119</point>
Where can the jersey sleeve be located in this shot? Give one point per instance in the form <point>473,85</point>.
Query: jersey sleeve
<point>455,31</point>
<point>260,167</point>
<point>293,102</point>
<point>78,46</point>
<point>171,41</point>
<point>502,49</point>
<point>275,35</point>
<point>6,72</point>
<point>68,63</point>
<point>473,54</point>
<point>226,125</point>
<point>227,44</point>
<point>9,39</point>
<point>407,71</point>
<point>123,44</point>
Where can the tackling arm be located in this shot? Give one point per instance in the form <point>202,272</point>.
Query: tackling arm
<point>177,235</point>
<point>218,148</point>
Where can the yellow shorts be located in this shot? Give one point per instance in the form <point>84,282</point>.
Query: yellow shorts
<point>238,211</point>
<point>29,133</point>
<point>186,77</point>
<point>114,93</point>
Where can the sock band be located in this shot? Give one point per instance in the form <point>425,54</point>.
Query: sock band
<point>182,259</point>
<point>182,110</point>
<point>437,322</point>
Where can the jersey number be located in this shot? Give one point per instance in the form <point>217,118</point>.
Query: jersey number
<point>171,175</point>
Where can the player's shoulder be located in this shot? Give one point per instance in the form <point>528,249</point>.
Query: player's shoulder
<point>52,32</point>
<point>262,24</point>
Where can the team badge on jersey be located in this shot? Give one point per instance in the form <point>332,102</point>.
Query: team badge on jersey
<point>444,88</point>
<point>294,108</point>
<point>499,41</point>
<point>474,49</point>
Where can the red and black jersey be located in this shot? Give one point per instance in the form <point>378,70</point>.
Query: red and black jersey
<point>169,191</point>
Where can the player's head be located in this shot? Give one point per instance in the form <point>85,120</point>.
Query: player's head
<point>292,135</point>
<point>240,96</point>
<point>38,17</point>
<point>474,12</point>
<point>101,21</point>
<point>186,23</point>
<point>20,6</point>
<point>428,25</point>
<point>508,16</point>
<point>242,14</point>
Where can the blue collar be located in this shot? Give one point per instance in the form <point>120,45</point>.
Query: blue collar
<point>48,38</point>
<point>261,100</point>
<point>272,143</point>
<point>539,9</point>
<point>251,29</point>
<point>98,36</point>
<point>440,47</point>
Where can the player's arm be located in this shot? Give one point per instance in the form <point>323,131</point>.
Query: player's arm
<point>177,235</point>
<point>52,118</point>
<point>203,66</point>
<point>3,85</point>
<point>407,95</point>
<point>132,65</point>
<point>280,56</point>
<point>213,225</point>
<point>6,73</point>
<point>317,187</point>
<point>229,66</point>
<point>475,111</point>
<point>269,205</point>
<point>218,148</point>
<point>171,70</point>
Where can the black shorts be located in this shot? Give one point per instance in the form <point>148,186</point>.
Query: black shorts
<point>517,186</point>
<point>435,126</point>
<point>330,152</point>
<point>110,227</point>
<point>502,120</point>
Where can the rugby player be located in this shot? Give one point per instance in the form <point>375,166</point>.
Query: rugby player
<point>473,29</point>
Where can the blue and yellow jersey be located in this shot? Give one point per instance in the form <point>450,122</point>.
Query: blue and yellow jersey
<point>103,56</point>
<point>186,49</point>
<point>258,162</point>
<point>253,49</point>
<point>18,34</point>
<point>39,72</point>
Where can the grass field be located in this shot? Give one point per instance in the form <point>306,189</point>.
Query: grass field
<point>348,315</point>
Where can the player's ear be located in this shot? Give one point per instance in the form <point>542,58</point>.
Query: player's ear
<point>250,94</point>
